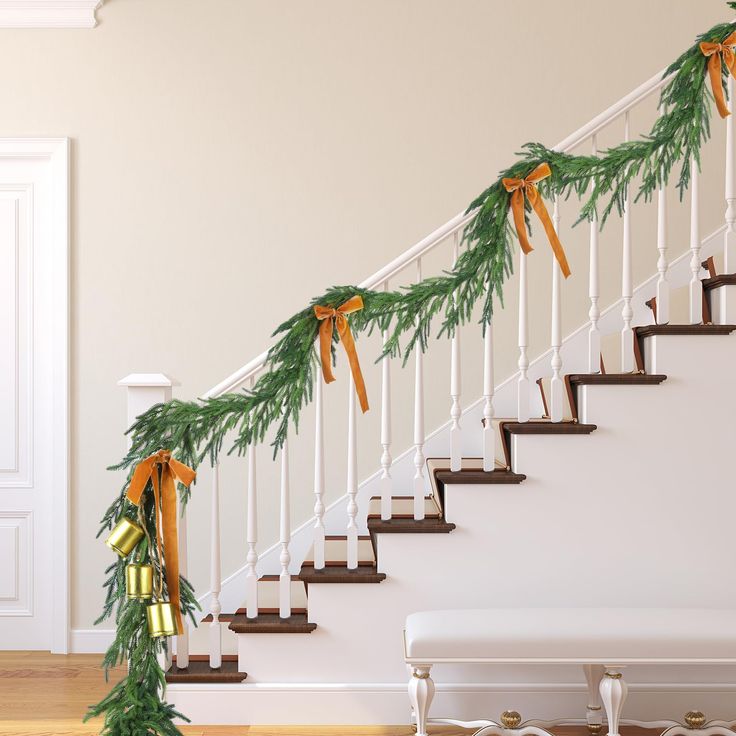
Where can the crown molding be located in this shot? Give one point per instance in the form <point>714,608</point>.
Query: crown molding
<point>48,13</point>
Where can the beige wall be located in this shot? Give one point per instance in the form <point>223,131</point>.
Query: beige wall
<point>231,158</point>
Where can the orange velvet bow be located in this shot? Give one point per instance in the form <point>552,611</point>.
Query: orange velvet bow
<point>331,318</point>
<point>164,492</point>
<point>717,54</point>
<point>521,188</point>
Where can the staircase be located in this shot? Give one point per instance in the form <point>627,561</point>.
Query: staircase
<point>570,483</point>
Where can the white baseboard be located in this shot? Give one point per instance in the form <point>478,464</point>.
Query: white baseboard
<point>91,641</point>
<point>387,703</point>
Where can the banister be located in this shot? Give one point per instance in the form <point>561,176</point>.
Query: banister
<point>625,104</point>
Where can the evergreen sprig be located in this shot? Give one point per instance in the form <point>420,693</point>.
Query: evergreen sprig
<point>196,430</point>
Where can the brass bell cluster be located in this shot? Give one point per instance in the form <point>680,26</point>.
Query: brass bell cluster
<point>123,539</point>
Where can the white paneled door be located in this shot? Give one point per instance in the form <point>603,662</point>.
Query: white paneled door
<point>34,247</point>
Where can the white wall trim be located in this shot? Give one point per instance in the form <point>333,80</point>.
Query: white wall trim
<point>91,641</point>
<point>48,13</point>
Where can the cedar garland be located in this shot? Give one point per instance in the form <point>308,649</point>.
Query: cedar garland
<point>195,430</point>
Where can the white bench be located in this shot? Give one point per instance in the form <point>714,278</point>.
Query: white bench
<point>603,640</point>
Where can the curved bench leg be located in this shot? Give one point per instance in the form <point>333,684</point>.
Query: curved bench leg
<point>421,692</point>
<point>593,713</point>
<point>613,694</point>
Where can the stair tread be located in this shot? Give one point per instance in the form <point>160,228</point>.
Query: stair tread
<point>476,476</point>
<point>616,379</point>
<point>721,279</point>
<point>541,426</point>
<point>651,330</point>
<point>410,526</point>
<point>199,670</point>
<point>228,617</point>
<point>341,574</point>
<point>272,623</point>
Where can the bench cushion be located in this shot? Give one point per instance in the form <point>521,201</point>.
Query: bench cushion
<point>600,635</point>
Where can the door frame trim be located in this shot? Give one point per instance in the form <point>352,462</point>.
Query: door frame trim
<point>56,151</point>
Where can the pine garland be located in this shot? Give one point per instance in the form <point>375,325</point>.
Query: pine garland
<point>196,430</point>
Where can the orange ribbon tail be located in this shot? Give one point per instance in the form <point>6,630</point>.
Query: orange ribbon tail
<point>522,189</point>
<point>718,54</point>
<point>167,533</point>
<point>336,318</point>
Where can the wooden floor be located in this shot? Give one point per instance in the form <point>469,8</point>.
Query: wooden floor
<point>46,695</point>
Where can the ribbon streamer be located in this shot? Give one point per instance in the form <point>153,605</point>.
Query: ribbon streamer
<point>330,319</point>
<point>521,188</point>
<point>718,53</point>
<point>164,491</point>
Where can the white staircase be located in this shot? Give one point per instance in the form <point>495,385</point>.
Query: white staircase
<point>592,506</point>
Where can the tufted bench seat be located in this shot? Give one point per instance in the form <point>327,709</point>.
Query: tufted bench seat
<point>603,640</point>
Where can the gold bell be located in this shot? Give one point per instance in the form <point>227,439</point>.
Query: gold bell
<point>124,537</point>
<point>139,582</point>
<point>161,621</point>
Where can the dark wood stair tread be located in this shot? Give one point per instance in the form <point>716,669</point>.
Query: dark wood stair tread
<point>228,617</point>
<point>409,526</point>
<point>652,330</point>
<point>474,476</point>
<point>722,279</point>
<point>199,670</point>
<point>546,427</point>
<point>272,623</point>
<point>616,379</point>
<point>342,575</point>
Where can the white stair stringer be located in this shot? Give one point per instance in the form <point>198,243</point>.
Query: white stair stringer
<point>612,545</point>
<point>574,355</point>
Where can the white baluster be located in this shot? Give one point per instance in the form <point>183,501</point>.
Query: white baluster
<point>696,285</point>
<point>215,574</point>
<point>556,410</point>
<point>352,479</point>
<point>523,383</point>
<point>319,476</point>
<point>182,641</point>
<point>663,285</point>
<point>627,313</point>
<point>489,436</point>
<point>251,536</point>
<point>594,335</point>
<point>419,424</point>
<point>285,537</point>
<point>386,483</point>
<point>455,385</point>
<point>729,247</point>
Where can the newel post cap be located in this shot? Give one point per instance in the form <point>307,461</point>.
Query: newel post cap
<point>148,380</point>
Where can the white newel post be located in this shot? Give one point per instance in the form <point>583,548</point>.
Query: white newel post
<point>489,435</point>
<point>319,475</point>
<point>419,424</point>
<point>455,384</point>
<point>627,313</point>
<point>145,390</point>
<point>215,573</point>
<point>523,383</point>
<point>386,483</point>
<point>696,285</point>
<point>556,409</point>
<point>594,335</point>
<point>352,479</point>
<point>729,246</point>
<point>251,536</point>
<point>285,536</point>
